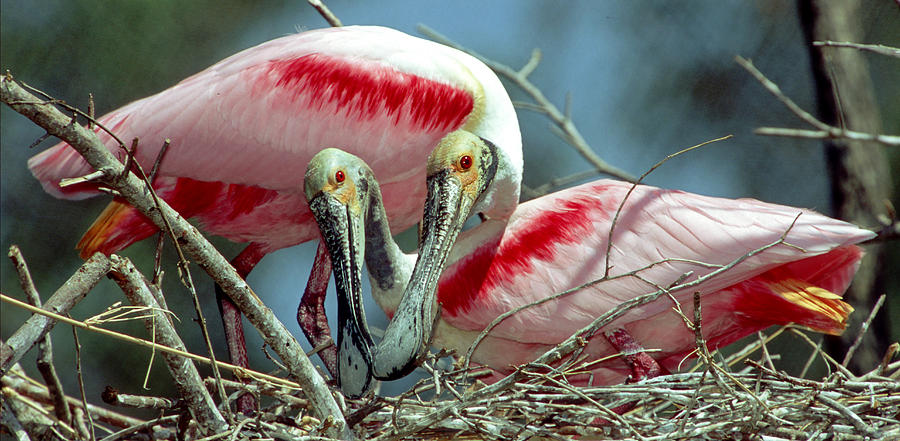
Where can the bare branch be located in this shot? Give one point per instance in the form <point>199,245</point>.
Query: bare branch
<point>112,396</point>
<point>862,331</point>
<point>325,12</point>
<point>36,327</point>
<point>824,131</point>
<point>16,380</point>
<point>890,140</point>
<point>45,346</point>
<point>85,428</point>
<point>879,49</point>
<point>150,345</point>
<point>184,373</point>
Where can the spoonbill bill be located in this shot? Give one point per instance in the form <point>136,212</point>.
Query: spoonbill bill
<point>559,242</point>
<point>241,132</point>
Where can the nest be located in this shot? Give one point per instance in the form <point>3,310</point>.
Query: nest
<point>713,401</point>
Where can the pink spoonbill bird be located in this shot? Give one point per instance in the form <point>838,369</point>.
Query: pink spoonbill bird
<point>559,242</point>
<point>242,131</point>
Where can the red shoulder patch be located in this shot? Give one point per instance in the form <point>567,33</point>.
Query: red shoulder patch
<point>366,89</point>
<point>476,276</point>
<point>191,198</point>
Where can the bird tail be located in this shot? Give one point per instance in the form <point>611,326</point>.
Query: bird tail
<point>822,310</point>
<point>118,226</point>
<point>807,292</point>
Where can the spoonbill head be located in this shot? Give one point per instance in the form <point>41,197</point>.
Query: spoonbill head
<point>346,201</point>
<point>755,265</point>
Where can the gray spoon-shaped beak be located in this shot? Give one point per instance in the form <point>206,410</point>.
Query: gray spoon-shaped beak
<point>339,215</point>
<point>460,169</point>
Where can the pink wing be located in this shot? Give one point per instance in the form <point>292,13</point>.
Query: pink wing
<point>559,242</point>
<point>251,123</point>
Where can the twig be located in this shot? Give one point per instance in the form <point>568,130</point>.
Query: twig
<point>16,380</point>
<point>61,301</point>
<point>184,373</point>
<point>612,227</point>
<point>138,427</point>
<point>84,404</point>
<point>193,243</point>
<point>824,131</point>
<point>45,347</point>
<point>325,12</point>
<point>862,331</point>
<point>854,419</point>
<point>151,345</point>
<point>890,140</point>
<point>112,396</point>
<point>159,160</point>
<point>520,78</point>
<point>879,49</point>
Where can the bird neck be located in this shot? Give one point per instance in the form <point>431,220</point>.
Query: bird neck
<point>494,119</point>
<point>389,267</point>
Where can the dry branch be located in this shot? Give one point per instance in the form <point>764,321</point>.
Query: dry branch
<point>184,373</point>
<point>823,131</point>
<point>44,114</point>
<point>36,327</point>
<point>874,48</point>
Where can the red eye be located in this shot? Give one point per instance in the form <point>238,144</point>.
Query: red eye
<point>339,176</point>
<point>465,162</point>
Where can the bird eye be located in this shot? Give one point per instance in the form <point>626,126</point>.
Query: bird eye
<point>465,162</point>
<point>339,176</point>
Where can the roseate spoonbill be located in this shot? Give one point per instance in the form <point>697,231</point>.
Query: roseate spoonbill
<point>558,242</point>
<point>242,130</point>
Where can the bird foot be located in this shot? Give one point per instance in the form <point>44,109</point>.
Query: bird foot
<point>642,365</point>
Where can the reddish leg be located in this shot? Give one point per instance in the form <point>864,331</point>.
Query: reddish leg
<point>642,365</point>
<point>311,311</point>
<point>231,318</point>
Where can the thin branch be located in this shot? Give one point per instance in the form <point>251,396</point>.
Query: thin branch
<point>240,371</point>
<point>16,380</point>
<point>862,331</point>
<point>776,91</point>
<point>84,404</point>
<point>891,140</point>
<point>113,397</point>
<point>325,12</point>
<point>36,327</point>
<point>879,49</point>
<point>824,131</point>
<point>45,346</point>
<point>184,373</point>
<point>520,77</point>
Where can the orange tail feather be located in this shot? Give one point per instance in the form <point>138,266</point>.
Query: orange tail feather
<point>827,312</point>
<point>96,238</point>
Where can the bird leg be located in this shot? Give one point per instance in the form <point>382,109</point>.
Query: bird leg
<point>642,365</point>
<point>311,311</point>
<point>232,320</point>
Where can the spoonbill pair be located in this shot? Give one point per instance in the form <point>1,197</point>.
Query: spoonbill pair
<point>242,131</point>
<point>566,241</point>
